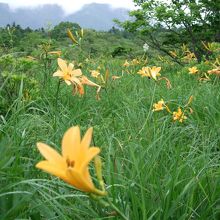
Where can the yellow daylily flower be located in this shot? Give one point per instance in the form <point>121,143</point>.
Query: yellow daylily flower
<point>95,73</point>
<point>126,64</point>
<point>67,73</point>
<point>159,106</point>
<point>193,70</point>
<point>189,56</point>
<point>135,62</point>
<point>179,115</point>
<point>144,72</point>
<point>150,72</point>
<point>154,72</point>
<point>72,165</point>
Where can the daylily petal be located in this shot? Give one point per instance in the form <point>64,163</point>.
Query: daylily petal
<point>67,82</point>
<point>77,72</point>
<point>51,155</point>
<point>71,143</point>
<point>153,75</point>
<point>80,89</point>
<point>86,81</point>
<point>86,140</point>
<point>62,64</point>
<point>70,67</point>
<point>78,181</point>
<point>156,69</point>
<point>73,166</point>
<point>52,169</point>
<point>58,73</point>
<point>76,80</point>
<point>87,176</point>
<point>91,153</point>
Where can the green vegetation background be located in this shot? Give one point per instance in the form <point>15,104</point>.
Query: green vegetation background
<point>153,168</point>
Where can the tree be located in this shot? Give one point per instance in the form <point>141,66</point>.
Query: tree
<point>59,31</point>
<point>168,23</point>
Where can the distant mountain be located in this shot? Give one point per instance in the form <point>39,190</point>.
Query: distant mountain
<point>95,16</point>
<point>98,16</point>
<point>5,14</point>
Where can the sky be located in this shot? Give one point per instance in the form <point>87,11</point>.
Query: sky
<point>68,5</point>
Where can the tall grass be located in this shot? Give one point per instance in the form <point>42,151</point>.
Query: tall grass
<point>153,168</point>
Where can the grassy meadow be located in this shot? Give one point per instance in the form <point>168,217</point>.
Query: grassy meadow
<point>154,166</point>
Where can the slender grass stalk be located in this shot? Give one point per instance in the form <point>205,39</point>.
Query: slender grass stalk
<point>107,203</point>
<point>56,103</point>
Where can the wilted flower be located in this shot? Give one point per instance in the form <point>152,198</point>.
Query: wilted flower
<point>168,83</point>
<point>85,81</point>
<point>204,79</point>
<point>214,71</point>
<point>116,77</point>
<point>193,70</point>
<point>179,115</point>
<point>78,89</point>
<point>72,165</point>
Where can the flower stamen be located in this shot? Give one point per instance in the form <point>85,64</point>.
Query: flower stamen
<point>70,163</point>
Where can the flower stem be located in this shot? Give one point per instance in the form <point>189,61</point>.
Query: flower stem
<point>116,209</point>
<point>168,109</point>
<point>56,103</point>
<point>57,94</point>
<point>108,203</point>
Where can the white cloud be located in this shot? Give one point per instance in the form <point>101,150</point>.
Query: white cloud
<point>68,5</point>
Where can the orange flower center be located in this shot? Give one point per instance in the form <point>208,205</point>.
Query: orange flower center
<point>67,77</point>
